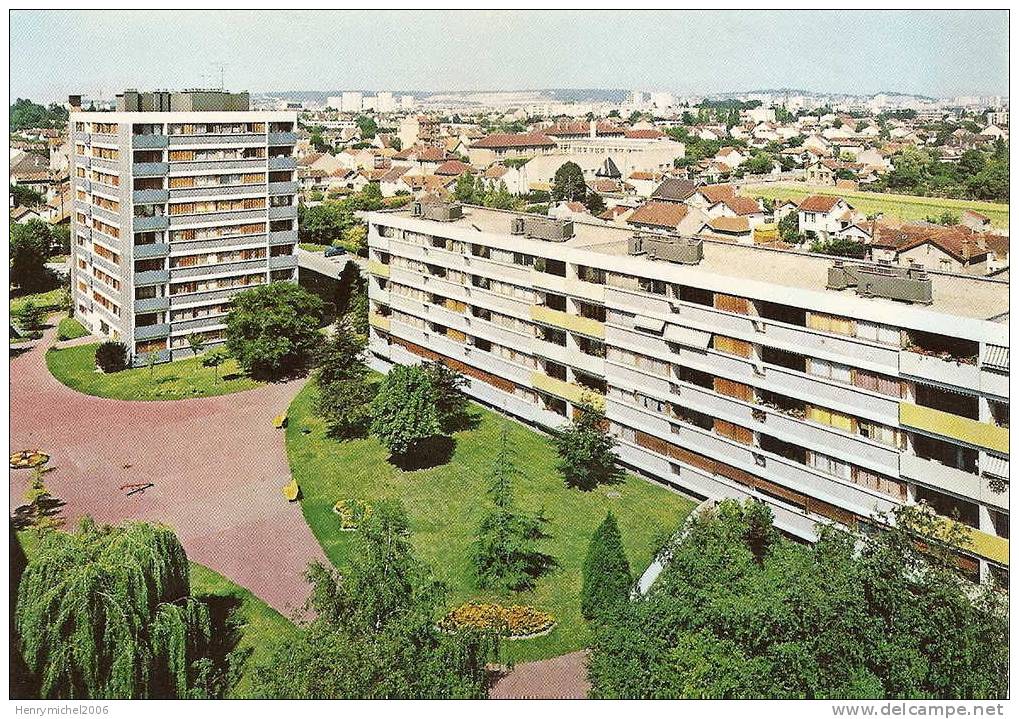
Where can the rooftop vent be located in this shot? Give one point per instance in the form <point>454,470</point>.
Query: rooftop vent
<point>437,211</point>
<point>542,228</point>
<point>671,248</point>
<point>905,284</point>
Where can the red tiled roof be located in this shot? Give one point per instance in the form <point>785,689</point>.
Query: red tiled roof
<point>717,193</point>
<point>729,224</point>
<point>454,168</point>
<point>523,139</point>
<point>819,203</point>
<point>742,205</point>
<point>644,134</point>
<point>659,214</point>
<point>582,128</point>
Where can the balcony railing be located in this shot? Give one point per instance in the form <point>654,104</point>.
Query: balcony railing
<point>566,321</point>
<point>145,224</point>
<point>156,249</point>
<point>149,332</point>
<point>149,169</point>
<point>151,304</point>
<point>283,163</point>
<point>151,277</point>
<point>964,429</point>
<point>149,142</point>
<point>143,197</point>
<point>377,268</point>
<point>567,390</point>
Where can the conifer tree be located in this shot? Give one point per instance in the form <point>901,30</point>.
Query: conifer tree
<point>607,578</point>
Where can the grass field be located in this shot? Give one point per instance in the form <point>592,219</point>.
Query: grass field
<point>903,207</point>
<point>446,503</point>
<point>259,627</point>
<point>70,329</point>
<point>75,367</point>
<point>46,300</point>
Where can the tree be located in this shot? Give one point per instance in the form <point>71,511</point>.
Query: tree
<point>111,356</point>
<point>196,342</point>
<point>272,330</point>
<point>594,203</point>
<point>367,126</point>
<point>585,450</point>
<point>840,247</point>
<point>860,614</point>
<point>404,414</point>
<point>30,249</point>
<point>606,572</point>
<point>760,163</point>
<point>31,317</point>
<point>344,394</point>
<point>26,114</point>
<point>107,613</point>
<point>215,359</point>
<point>465,190</point>
<point>505,553</point>
<point>569,183</point>
<point>374,635</point>
<point>450,401</point>
<point>26,197</point>
<point>151,359</point>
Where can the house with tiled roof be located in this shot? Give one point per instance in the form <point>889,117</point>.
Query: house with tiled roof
<point>666,217</point>
<point>569,211</point>
<point>674,190</point>
<point>422,159</point>
<point>824,216</point>
<point>491,148</point>
<point>738,206</point>
<point>731,156</point>
<point>707,195</point>
<point>728,228</point>
<point>514,177</point>
<point>618,214</point>
<point>453,168</point>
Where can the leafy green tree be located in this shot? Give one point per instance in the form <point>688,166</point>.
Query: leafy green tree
<point>585,450</point>
<point>26,114</point>
<point>107,613</point>
<point>606,573</point>
<point>30,249</point>
<point>31,317</point>
<point>344,394</point>
<point>840,247</point>
<point>760,163</point>
<point>367,126</point>
<point>971,162</point>
<point>25,196</point>
<point>357,309</point>
<point>594,203</point>
<point>272,330</point>
<point>374,635</point>
<point>111,356</point>
<point>858,615</point>
<point>404,413</point>
<point>215,359</point>
<point>465,189</point>
<point>450,401</point>
<point>569,183</point>
<point>197,343</point>
<point>505,553</point>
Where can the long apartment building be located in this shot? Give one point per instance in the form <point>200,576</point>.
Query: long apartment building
<point>829,390</point>
<point>174,213</point>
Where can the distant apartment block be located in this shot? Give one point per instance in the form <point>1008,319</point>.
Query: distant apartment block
<point>830,391</point>
<point>174,213</point>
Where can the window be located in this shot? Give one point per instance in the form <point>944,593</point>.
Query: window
<point>829,465</point>
<point>877,383</point>
<point>879,483</point>
<point>732,346</point>
<point>949,506</point>
<point>697,296</point>
<point>656,287</point>
<point>829,370</point>
<point>830,418</point>
<point>879,433</point>
<point>831,323</point>
<point>883,334</point>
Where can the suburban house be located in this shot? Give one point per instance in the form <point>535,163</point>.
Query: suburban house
<point>707,195</point>
<point>824,216</point>
<point>666,217</point>
<point>515,178</point>
<point>674,190</point>
<point>728,228</point>
<point>492,148</point>
<point>737,206</point>
<point>422,158</point>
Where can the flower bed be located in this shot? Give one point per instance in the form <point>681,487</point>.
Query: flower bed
<point>28,459</point>
<point>351,512</point>
<point>515,622</point>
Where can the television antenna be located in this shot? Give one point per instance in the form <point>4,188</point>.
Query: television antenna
<point>221,67</point>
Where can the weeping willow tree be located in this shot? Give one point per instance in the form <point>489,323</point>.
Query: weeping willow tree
<point>107,613</point>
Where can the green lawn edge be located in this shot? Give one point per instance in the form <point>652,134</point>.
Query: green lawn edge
<point>446,503</point>
<point>70,329</point>
<point>181,379</point>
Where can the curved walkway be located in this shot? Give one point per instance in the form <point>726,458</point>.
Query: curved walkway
<point>217,464</point>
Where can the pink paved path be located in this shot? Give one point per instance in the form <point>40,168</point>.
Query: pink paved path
<point>217,464</point>
<point>562,677</point>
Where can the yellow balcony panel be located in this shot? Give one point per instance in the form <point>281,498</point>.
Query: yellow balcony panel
<point>988,546</point>
<point>378,321</point>
<point>563,320</point>
<point>377,268</point>
<point>566,390</point>
<point>981,434</point>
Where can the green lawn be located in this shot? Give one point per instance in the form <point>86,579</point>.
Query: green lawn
<point>446,503</point>
<point>259,627</point>
<point>75,367</point>
<point>904,207</point>
<point>70,329</point>
<point>47,300</point>
<point>313,247</point>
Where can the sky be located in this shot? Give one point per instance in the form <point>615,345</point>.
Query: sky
<point>97,54</point>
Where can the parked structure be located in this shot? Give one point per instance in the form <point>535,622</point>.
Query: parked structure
<point>830,391</point>
<point>175,212</point>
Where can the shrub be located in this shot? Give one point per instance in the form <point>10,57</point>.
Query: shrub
<point>351,513</point>
<point>514,621</point>
<point>111,356</point>
<point>607,578</point>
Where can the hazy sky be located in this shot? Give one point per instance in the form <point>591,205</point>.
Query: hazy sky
<point>54,53</point>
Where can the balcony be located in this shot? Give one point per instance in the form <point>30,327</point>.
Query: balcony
<point>563,320</point>
<point>378,321</point>
<point>935,369</point>
<point>206,140</point>
<point>567,390</point>
<point>952,480</point>
<point>282,138</point>
<point>283,163</point>
<point>156,249</point>
<point>216,217</point>
<point>152,277</point>
<point>284,188</point>
<point>286,237</point>
<point>149,142</point>
<point>377,268</point>
<point>151,304</point>
<point>282,262</point>
<point>146,197</point>
<point>970,431</point>
<point>149,169</point>
<point>284,212</point>
<point>145,224</point>
<point>149,332</point>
